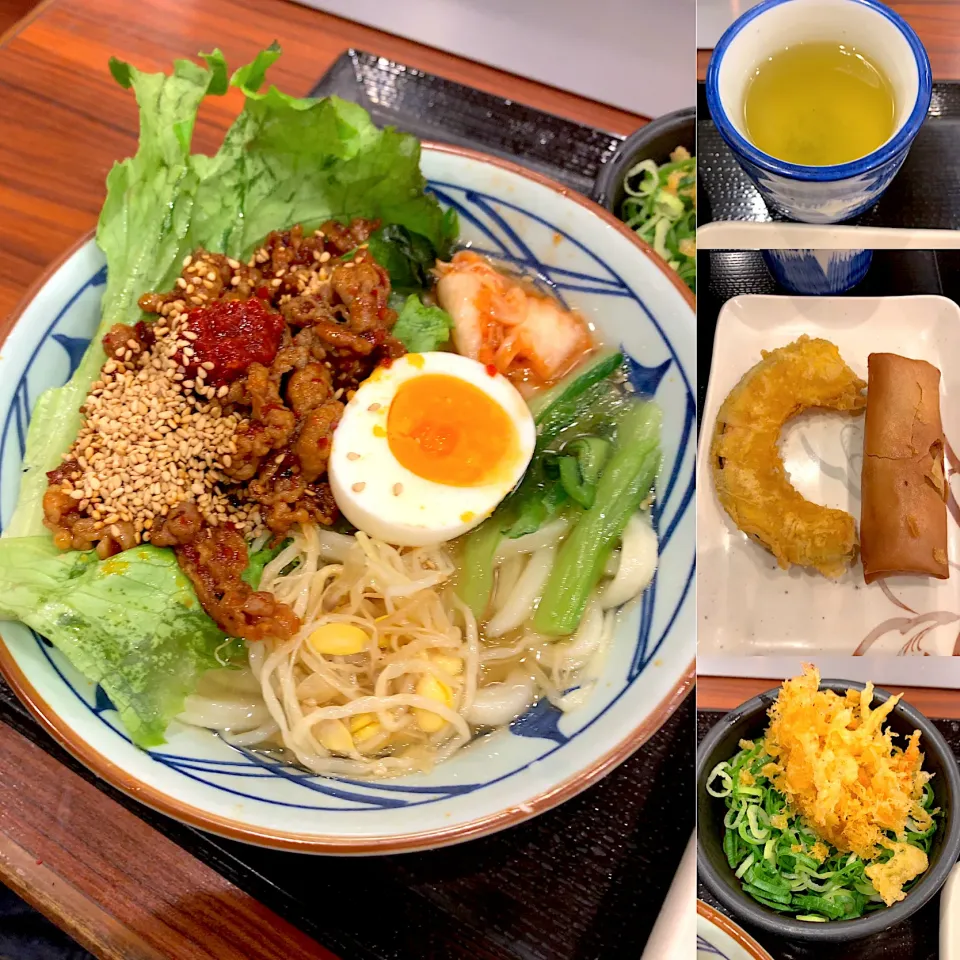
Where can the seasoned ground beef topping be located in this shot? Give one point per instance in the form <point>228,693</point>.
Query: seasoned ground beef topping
<point>147,443</point>
<point>220,413</point>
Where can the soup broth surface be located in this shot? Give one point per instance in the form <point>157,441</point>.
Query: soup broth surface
<point>818,104</point>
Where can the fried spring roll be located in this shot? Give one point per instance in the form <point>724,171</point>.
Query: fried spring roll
<point>903,514</point>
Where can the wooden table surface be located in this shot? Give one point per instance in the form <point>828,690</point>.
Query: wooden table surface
<point>63,122</point>
<point>727,693</point>
<point>937,23</point>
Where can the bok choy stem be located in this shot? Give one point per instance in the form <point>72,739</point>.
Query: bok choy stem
<point>622,487</point>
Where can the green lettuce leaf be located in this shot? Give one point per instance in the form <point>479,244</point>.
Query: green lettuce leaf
<point>290,160</point>
<point>142,230</point>
<point>408,257</point>
<point>131,623</point>
<point>285,160</point>
<point>421,328</point>
<point>257,561</point>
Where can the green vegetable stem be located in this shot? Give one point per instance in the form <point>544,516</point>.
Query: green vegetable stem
<point>584,398</point>
<point>584,404</point>
<point>575,383</point>
<point>623,486</point>
<point>580,467</point>
<point>475,579</point>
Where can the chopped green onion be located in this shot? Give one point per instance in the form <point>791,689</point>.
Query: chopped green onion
<point>660,205</point>
<point>775,864</point>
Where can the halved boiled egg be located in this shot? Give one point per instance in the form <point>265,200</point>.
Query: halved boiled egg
<point>427,448</point>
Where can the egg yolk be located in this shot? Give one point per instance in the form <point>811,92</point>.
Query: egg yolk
<point>448,431</point>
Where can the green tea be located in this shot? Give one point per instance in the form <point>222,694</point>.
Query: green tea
<point>819,104</point>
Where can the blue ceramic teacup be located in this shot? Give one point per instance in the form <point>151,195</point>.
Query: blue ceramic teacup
<point>827,194</point>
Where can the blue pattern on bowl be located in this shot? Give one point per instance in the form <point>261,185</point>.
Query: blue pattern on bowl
<point>818,272</point>
<point>704,946</point>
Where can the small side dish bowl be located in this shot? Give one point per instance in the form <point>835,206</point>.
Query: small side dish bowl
<point>827,194</point>
<point>748,722</point>
<point>655,141</point>
<point>584,256</point>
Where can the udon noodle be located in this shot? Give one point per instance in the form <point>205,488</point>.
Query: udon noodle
<point>428,677</point>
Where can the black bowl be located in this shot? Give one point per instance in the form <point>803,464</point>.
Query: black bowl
<point>749,722</point>
<point>656,141</point>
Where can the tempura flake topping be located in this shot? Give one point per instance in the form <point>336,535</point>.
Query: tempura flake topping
<point>839,768</point>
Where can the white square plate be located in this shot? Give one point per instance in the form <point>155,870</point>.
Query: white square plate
<point>747,605</point>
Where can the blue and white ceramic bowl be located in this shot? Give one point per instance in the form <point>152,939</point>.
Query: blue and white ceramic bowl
<point>719,938</point>
<point>818,272</point>
<point>834,193</point>
<point>588,259</point>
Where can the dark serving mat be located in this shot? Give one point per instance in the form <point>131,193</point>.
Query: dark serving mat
<point>433,108</point>
<point>724,274</point>
<point>582,882</point>
<point>924,193</point>
<point>914,939</point>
